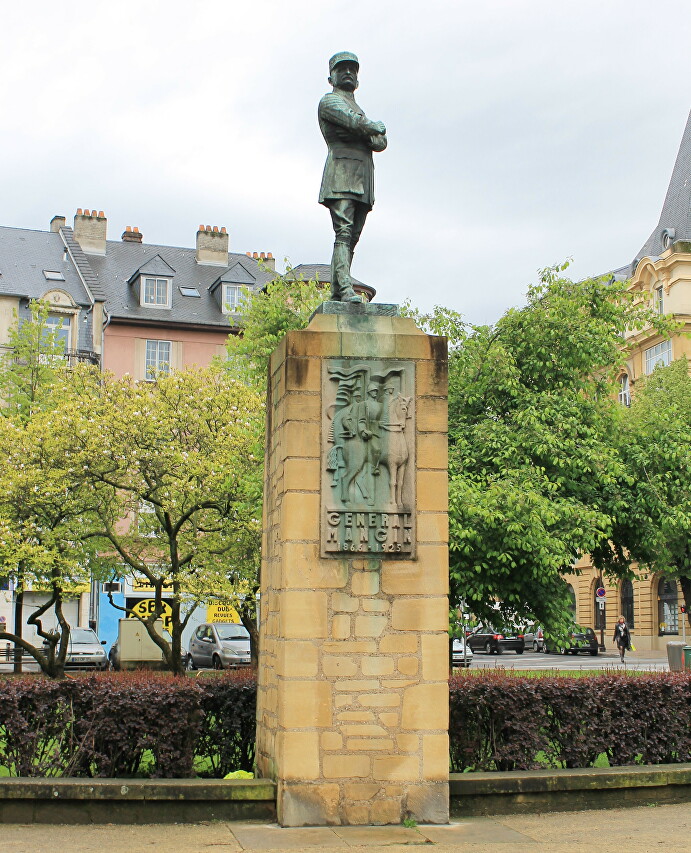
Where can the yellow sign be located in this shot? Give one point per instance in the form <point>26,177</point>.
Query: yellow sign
<point>222,613</point>
<point>146,606</point>
<point>141,584</point>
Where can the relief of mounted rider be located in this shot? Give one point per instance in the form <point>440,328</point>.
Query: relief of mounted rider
<point>369,434</point>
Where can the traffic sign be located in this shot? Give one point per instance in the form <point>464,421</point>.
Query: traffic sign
<point>601,603</point>
<point>600,592</point>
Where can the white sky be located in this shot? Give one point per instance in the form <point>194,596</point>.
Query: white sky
<point>521,132</point>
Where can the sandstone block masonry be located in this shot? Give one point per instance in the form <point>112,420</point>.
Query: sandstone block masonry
<point>352,711</point>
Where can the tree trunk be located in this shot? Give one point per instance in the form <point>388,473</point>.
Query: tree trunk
<point>248,617</point>
<point>18,627</point>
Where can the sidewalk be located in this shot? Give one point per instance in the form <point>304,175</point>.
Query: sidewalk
<point>636,830</point>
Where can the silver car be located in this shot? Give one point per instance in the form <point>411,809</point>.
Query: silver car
<point>534,638</point>
<point>85,650</point>
<point>219,645</point>
<point>461,653</point>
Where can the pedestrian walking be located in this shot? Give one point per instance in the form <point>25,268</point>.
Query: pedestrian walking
<point>622,637</point>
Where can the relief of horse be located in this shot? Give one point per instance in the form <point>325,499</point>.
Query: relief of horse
<point>395,451</point>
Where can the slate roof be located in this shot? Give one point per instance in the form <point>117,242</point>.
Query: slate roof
<point>25,254</point>
<point>123,259</point>
<point>322,272</point>
<point>676,209</point>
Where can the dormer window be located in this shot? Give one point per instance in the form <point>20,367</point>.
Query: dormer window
<point>155,292</point>
<point>233,297</point>
<point>152,283</point>
<point>230,290</point>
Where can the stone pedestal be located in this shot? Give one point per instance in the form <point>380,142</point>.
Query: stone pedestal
<point>352,709</point>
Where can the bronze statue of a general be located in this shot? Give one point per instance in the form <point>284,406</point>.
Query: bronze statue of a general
<point>348,183</point>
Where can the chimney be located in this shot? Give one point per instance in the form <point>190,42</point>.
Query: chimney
<point>57,222</point>
<point>90,231</point>
<point>212,246</point>
<point>132,235</point>
<point>266,259</point>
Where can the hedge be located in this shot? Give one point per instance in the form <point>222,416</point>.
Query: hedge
<point>142,724</point>
<point>126,725</point>
<point>505,722</point>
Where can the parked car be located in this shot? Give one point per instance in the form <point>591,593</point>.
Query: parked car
<point>580,640</point>
<point>461,653</point>
<point>534,638</point>
<point>494,642</point>
<point>219,645</point>
<point>86,650</point>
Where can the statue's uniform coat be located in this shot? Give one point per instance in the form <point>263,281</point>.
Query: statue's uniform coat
<point>349,170</point>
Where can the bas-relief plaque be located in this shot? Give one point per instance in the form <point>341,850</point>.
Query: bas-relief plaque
<point>368,458</point>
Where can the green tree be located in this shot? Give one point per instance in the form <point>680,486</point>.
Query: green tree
<point>28,368</point>
<point>31,363</point>
<point>533,457</point>
<point>42,516</point>
<point>171,466</point>
<point>654,442</point>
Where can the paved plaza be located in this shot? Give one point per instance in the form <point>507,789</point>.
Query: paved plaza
<point>635,830</point>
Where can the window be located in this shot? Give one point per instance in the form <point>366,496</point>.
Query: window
<point>157,359</point>
<point>659,354</point>
<point>627,602</point>
<point>572,602</point>
<point>233,296</point>
<point>667,607</point>
<point>624,391</point>
<point>190,291</point>
<point>53,275</point>
<point>659,300</point>
<point>60,325</point>
<point>156,292</point>
<point>147,521</point>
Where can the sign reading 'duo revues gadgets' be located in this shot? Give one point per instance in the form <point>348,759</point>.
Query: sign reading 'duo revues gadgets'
<point>368,458</point>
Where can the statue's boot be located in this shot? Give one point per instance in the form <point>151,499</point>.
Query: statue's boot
<point>341,285</point>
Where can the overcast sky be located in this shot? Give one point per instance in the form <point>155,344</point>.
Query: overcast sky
<point>521,132</point>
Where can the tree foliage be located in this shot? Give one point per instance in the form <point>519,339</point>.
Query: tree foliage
<point>40,510</point>
<point>42,515</point>
<point>171,469</point>
<point>654,442</point>
<point>533,458</point>
<point>28,368</point>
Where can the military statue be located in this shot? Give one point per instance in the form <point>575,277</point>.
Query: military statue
<point>348,182</point>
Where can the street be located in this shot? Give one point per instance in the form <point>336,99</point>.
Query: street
<point>637,661</point>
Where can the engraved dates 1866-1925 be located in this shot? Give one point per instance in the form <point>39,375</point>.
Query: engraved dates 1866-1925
<point>368,464</point>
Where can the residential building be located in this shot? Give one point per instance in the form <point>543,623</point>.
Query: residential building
<point>659,274</point>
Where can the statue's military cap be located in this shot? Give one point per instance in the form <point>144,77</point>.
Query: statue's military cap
<point>343,56</point>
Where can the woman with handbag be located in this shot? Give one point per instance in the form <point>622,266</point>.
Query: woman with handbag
<point>622,637</point>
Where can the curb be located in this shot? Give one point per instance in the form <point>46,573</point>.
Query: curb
<point>531,791</point>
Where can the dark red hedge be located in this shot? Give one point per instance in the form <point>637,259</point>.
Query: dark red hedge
<point>508,722</point>
<point>129,724</point>
<point>124,725</point>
